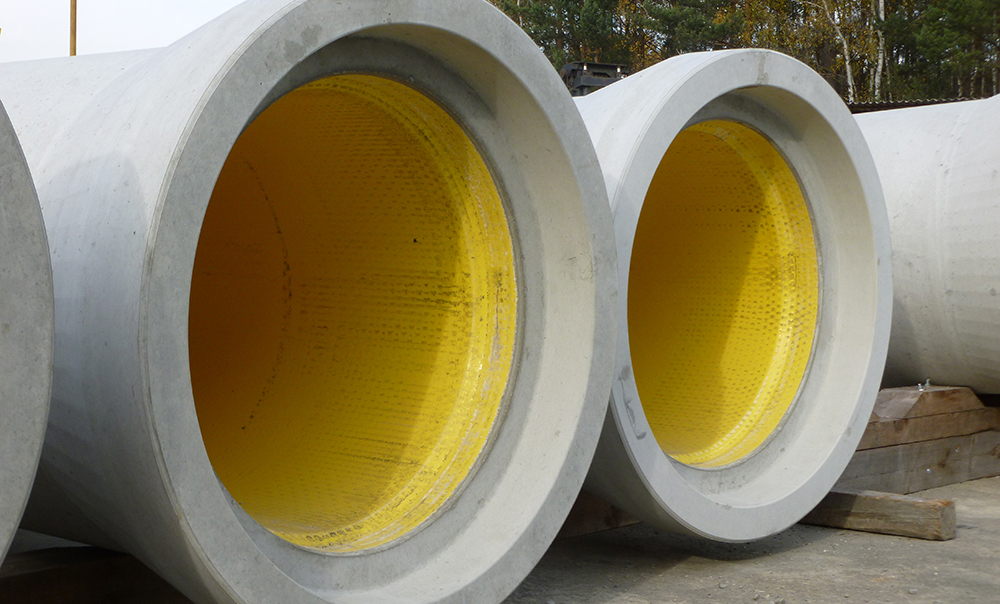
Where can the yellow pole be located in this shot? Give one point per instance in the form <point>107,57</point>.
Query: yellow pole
<point>72,28</point>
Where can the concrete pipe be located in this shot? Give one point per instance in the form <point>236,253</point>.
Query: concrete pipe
<point>328,279</point>
<point>25,332</point>
<point>940,168</point>
<point>754,291</point>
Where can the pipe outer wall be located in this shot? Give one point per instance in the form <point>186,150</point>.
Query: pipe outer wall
<point>940,169</point>
<point>26,331</point>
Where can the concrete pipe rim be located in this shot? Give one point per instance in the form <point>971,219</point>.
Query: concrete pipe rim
<point>27,327</point>
<point>459,55</point>
<point>777,483</point>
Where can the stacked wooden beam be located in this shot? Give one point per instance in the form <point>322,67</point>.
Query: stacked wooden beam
<point>925,437</point>
<point>918,438</point>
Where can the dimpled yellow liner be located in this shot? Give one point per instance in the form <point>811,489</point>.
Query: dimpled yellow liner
<point>353,314</point>
<point>723,294</point>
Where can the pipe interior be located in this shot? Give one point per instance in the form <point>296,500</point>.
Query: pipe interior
<point>723,294</point>
<point>353,314</point>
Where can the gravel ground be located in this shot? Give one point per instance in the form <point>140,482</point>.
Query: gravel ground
<point>641,565</point>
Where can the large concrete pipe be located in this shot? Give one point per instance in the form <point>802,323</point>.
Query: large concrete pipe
<point>754,291</point>
<point>940,168</point>
<point>25,332</point>
<point>328,280</point>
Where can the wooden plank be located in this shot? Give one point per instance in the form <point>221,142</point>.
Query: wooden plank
<point>918,429</point>
<point>82,575</point>
<point>913,401</point>
<point>591,514</point>
<point>985,460</point>
<point>886,514</point>
<point>919,466</point>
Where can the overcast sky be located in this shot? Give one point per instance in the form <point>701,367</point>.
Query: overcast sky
<point>37,29</point>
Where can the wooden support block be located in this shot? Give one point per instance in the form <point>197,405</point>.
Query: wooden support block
<point>985,460</point>
<point>82,575</point>
<point>914,401</point>
<point>885,433</point>
<point>924,465</point>
<point>887,514</point>
<point>925,437</point>
<point>591,514</point>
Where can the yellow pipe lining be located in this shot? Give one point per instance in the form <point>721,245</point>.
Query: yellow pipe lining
<point>723,294</point>
<point>353,314</point>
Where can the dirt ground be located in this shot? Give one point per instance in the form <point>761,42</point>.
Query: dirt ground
<point>641,565</point>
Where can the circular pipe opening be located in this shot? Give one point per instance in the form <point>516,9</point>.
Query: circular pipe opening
<point>723,294</point>
<point>175,350</point>
<point>353,314</point>
<point>755,291</point>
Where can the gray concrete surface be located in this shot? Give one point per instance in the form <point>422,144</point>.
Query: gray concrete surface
<point>26,332</point>
<point>805,564</point>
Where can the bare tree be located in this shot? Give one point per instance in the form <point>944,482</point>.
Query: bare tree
<point>878,25</point>
<point>831,18</point>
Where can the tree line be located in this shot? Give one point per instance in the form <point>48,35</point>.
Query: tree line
<point>869,50</point>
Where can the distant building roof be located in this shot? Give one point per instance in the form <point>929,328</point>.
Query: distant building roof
<point>583,78</point>
<point>885,105</point>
